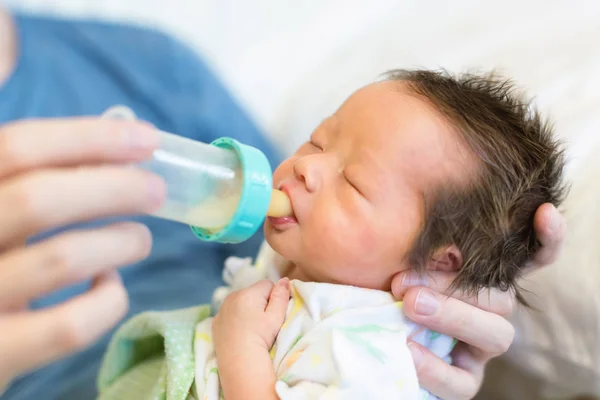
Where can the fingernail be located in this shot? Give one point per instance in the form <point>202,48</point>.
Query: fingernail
<point>142,136</point>
<point>138,234</point>
<point>285,283</point>
<point>417,354</point>
<point>412,278</point>
<point>426,303</point>
<point>157,191</point>
<point>145,237</point>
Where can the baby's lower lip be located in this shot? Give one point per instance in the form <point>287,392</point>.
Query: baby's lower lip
<point>280,222</point>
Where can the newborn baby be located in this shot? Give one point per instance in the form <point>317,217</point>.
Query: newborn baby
<point>419,171</point>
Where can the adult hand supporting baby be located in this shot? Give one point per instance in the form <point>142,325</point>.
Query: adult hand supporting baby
<point>54,173</point>
<point>478,322</point>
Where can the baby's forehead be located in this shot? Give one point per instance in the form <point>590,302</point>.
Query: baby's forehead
<point>387,108</point>
<point>395,132</point>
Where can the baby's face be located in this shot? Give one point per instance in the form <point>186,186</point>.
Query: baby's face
<point>358,187</point>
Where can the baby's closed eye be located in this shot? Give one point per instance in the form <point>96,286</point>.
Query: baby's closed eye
<point>315,145</point>
<point>352,183</point>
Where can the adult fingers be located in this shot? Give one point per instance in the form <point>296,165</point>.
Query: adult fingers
<point>46,199</point>
<point>43,143</point>
<point>492,300</point>
<point>550,229</point>
<point>71,257</point>
<point>487,332</point>
<point>32,339</point>
<point>442,379</point>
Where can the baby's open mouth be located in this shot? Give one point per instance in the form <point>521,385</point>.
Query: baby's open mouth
<point>282,207</point>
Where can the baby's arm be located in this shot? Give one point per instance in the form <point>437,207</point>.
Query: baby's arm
<point>244,330</point>
<point>247,373</point>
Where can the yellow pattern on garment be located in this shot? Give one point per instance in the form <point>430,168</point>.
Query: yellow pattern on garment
<point>400,383</point>
<point>273,351</point>
<point>293,358</point>
<point>298,303</point>
<point>204,337</point>
<point>315,360</point>
<point>398,304</point>
<point>335,311</point>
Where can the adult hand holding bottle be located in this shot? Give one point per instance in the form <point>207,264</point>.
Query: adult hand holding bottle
<point>54,173</point>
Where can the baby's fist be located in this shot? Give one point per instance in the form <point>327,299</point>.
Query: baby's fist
<point>252,316</point>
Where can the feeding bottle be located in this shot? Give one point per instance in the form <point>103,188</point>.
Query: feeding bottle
<point>223,190</point>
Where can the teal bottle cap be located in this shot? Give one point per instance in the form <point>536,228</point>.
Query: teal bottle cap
<point>257,186</point>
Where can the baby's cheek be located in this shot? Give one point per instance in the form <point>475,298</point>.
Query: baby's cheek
<point>324,232</point>
<point>284,170</point>
<point>360,245</point>
<point>345,238</point>
<point>367,240</point>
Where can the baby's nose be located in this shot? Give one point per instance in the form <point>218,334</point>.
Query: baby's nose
<point>307,171</point>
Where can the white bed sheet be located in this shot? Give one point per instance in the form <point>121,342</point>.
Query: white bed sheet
<point>293,63</point>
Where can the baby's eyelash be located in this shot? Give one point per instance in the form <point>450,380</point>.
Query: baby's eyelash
<point>315,145</point>
<point>352,184</point>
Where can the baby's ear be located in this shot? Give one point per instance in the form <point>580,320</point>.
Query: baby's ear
<point>447,259</point>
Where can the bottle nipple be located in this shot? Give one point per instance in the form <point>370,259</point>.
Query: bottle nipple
<point>280,205</point>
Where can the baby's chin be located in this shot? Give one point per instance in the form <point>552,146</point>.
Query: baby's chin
<point>282,243</point>
<point>288,244</point>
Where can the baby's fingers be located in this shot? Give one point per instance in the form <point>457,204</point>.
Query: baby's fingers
<point>278,301</point>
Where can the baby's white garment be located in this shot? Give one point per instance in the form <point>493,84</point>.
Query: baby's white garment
<point>337,341</point>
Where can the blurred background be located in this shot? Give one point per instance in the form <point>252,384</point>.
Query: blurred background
<point>293,63</point>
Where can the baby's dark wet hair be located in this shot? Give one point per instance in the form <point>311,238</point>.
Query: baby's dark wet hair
<point>520,167</point>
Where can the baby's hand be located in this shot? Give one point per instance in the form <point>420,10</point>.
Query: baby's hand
<point>251,317</point>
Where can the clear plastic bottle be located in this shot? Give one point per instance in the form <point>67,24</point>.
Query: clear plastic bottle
<point>223,189</point>
<point>204,182</point>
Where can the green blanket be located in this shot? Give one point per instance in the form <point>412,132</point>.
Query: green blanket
<point>151,357</point>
